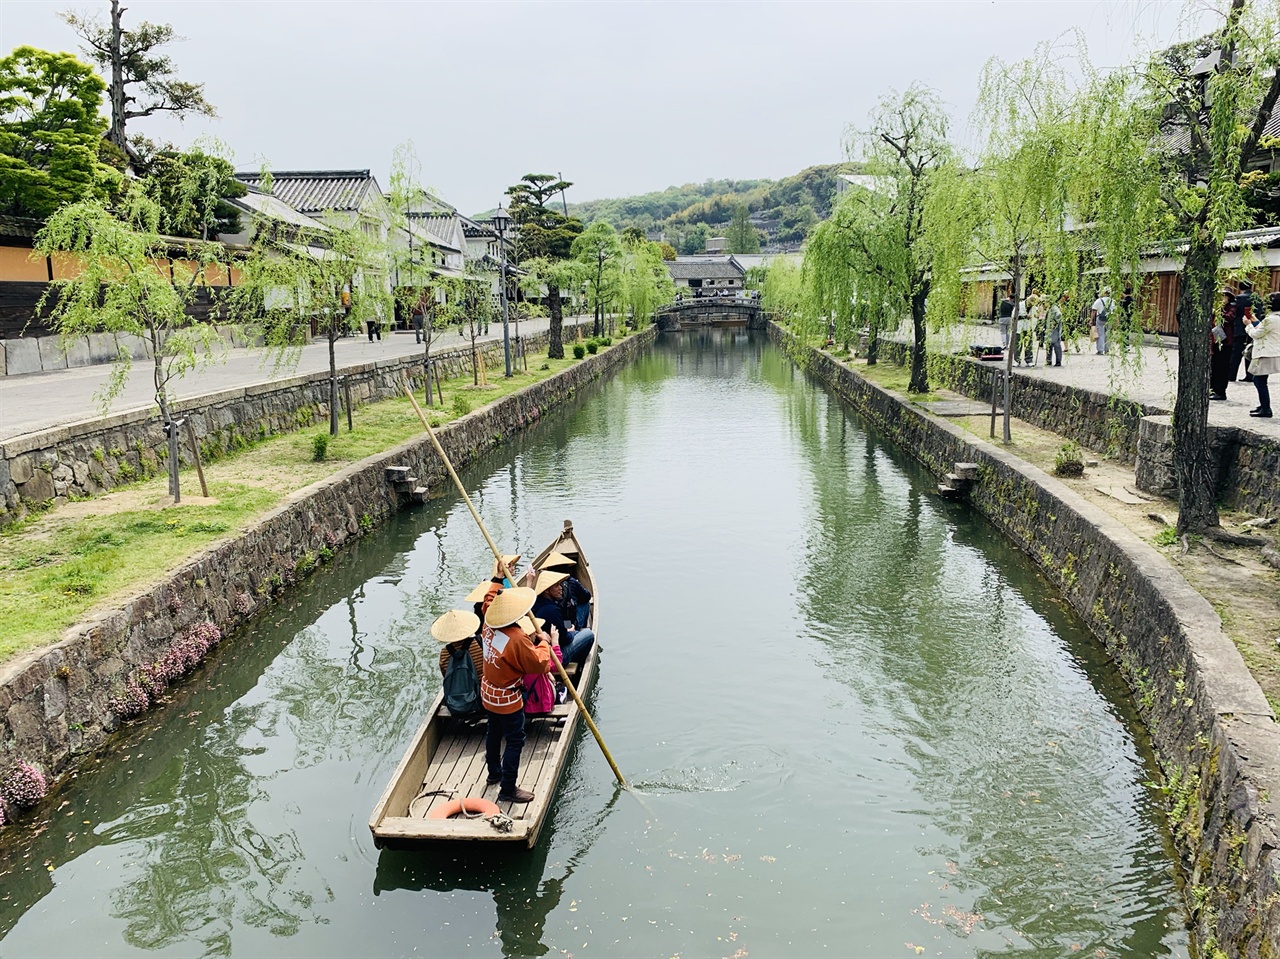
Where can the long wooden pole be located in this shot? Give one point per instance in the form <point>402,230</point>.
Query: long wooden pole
<point>506,571</point>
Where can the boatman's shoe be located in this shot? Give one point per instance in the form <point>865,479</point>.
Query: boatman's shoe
<point>494,780</point>
<point>516,795</point>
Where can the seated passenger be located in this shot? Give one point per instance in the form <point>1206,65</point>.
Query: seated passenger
<point>575,600</point>
<point>459,631</point>
<point>539,691</point>
<point>574,643</point>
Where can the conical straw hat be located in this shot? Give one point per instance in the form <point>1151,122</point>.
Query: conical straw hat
<point>478,594</point>
<point>511,564</point>
<point>557,559</point>
<point>455,625</point>
<point>548,578</point>
<point>509,606</point>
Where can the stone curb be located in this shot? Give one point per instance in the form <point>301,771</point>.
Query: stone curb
<point>1215,734</point>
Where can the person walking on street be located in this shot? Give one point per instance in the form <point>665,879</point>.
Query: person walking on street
<point>1099,313</point>
<point>1053,346</point>
<point>375,329</point>
<point>1006,316</point>
<point>419,311</point>
<point>1221,340</point>
<point>1265,333</point>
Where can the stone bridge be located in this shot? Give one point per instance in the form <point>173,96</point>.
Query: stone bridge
<point>711,311</point>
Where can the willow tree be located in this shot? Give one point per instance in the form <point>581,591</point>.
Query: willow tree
<point>1020,185</point>
<point>644,282</point>
<point>408,254</point>
<point>598,249</point>
<point>1167,158</point>
<point>126,282</point>
<point>292,279</point>
<point>876,254</point>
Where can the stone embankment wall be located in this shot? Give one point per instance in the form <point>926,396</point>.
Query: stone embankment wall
<point>1214,732</point>
<point>95,455</point>
<point>54,702</point>
<point>1247,462</point>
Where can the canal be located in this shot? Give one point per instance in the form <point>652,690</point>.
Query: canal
<point>858,722</point>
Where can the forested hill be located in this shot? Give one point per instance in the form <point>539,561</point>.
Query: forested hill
<point>782,210</point>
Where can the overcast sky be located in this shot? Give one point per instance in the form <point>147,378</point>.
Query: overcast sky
<point>621,98</point>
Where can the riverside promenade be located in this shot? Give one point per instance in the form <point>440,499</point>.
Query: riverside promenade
<point>39,401</point>
<point>1146,374</point>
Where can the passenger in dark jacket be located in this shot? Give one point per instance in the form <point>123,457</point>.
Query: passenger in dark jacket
<point>574,643</point>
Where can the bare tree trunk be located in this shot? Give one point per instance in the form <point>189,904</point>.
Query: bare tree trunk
<point>919,382</point>
<point>116,134</point>
<point>333,378</point>
<point>555,344</point>
<point>1193,466</point>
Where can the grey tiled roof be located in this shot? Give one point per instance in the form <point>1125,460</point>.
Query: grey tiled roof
<point>706,268</point>
<point>314,191</point>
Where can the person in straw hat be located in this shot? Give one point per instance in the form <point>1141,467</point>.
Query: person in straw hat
<point>510,653</point>
<point>574,643</point>
<point>575,599</point>
<point>459,631</point>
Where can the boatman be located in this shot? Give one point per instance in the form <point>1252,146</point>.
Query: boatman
<point>510,653</point>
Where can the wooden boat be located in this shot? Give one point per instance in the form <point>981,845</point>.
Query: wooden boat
<point>446,761</point>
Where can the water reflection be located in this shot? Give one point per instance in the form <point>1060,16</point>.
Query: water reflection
<point>1028,778</point>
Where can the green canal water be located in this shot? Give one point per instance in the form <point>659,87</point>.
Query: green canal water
<point>858,722</point>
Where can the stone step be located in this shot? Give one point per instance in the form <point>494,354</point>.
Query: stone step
<point>967,470</point>
<point>949,492</point>
<point>397,474</point>
<point>419,494</point>
<point>957,481</point>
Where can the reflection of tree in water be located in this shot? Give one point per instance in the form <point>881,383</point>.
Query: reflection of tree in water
<point>215,869</point>
<point>1022,762</point>
<point>523,899</point>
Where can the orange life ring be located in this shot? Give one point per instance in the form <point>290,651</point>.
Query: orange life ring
<point>473,807</point>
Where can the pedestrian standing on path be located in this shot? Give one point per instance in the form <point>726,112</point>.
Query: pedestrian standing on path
<point>1006,317</point>
<point>1030,312</point>
<point>1053,346</point>
<point>1099,313</point>
<point>375,329</point>
<point>1245,309</point>
<point>1265,333</point>
<point>419,309</point>
<point>1221,341</point>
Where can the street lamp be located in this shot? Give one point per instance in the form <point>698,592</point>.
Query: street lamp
<point>502,220</point>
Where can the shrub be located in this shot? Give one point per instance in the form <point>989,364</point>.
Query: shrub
<point>131,702</point>
<point>461,405</point>
<point>579,351</point>
<point>1069,460</point>
<point>606,341</point>
<point>545,366</point>
<point>319,447</point>
<point>241,604</point>
<point>25,785</point>
<point>593,347</point>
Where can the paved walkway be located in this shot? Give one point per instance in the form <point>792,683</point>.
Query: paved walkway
<point>39,401</point>
<point>1147,374</point>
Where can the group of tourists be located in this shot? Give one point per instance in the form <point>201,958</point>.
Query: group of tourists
<point>1041,323</point>
<point>1249,335</point>
<point>501,669</point>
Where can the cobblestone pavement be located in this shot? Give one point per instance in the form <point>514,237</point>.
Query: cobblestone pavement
<point>1146,374</point>
<point>38,401</point>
